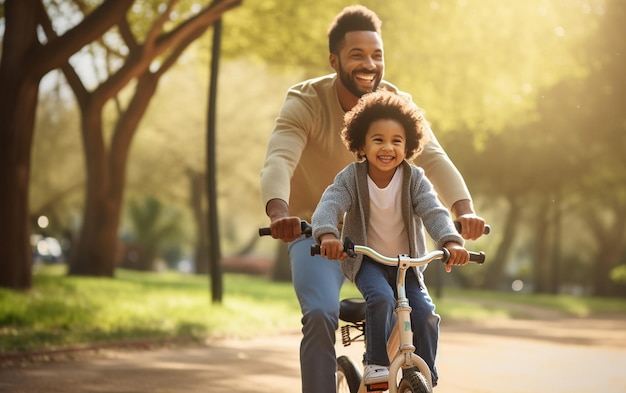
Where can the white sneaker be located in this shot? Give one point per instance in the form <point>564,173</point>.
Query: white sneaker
<point>375,374</point>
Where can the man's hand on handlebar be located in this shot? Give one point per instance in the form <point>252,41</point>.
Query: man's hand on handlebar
<point>458,255</point>
<point>472,226</point>
<point>331,247</point>
<point>286,229</point>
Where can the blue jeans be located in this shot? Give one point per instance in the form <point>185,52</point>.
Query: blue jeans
<point>317,282</point>
<point>377,283</point>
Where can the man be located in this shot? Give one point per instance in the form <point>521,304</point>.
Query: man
<point>305,152</point>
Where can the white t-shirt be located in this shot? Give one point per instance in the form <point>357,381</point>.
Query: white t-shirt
<point>385,230</point>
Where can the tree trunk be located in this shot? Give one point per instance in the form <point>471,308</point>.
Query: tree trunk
<point>611,242</point>
<point>19,85</point>
<point>541,263</point>
<point>95,253</point>
<point>95,250</point>
<point>555,267</point>
<point>17,111</point>
<point>201,253</point>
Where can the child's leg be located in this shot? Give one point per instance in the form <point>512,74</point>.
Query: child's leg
<point>424,321</point>
<point>373,282</point>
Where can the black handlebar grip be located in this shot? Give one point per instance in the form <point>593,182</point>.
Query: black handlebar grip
<point>315,249</point>
<point>486,231</point>
<point>305,228</point>
<point>478,257</point>
<point>348,247</point>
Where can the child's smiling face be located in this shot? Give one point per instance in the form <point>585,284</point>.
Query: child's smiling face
<point>385,147</point>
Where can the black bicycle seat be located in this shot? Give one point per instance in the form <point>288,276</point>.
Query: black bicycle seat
<point>352,310</point>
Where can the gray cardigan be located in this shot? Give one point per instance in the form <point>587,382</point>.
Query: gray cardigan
<point>348,197</point>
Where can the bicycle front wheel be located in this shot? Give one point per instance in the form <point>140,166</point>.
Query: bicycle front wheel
<point>414,382</point>
<point>348,376</point>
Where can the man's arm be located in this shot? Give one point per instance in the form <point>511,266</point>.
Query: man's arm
<point>451,187</point>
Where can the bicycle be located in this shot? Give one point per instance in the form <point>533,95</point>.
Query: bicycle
<point>416,376</point>
<point>353,312</point>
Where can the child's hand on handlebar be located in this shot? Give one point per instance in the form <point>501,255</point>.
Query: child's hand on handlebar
<point>458,255</point>
<point>331,247</point>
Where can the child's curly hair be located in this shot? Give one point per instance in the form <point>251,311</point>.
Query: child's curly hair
<point>379,105</point>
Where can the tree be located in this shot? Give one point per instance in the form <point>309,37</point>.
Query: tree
<point>602,98</point>
<point>565,162</point>
<point>25,60</point>
<point>143,64</point>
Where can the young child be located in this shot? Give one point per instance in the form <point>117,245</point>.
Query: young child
<point>385,203</point>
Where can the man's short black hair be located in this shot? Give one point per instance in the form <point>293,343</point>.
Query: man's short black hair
<point>352,18</point>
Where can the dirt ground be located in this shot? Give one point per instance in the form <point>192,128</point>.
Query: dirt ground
<point>554,354</point>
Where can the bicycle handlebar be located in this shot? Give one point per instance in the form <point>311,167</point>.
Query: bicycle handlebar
<point>305,227</point>
<point>352,249</point>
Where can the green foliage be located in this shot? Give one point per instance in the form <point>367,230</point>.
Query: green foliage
<point>281,33</point>
<point>470,64</point>
<point>153,223</point>
<point>618,274</point>
<point>153,227</point>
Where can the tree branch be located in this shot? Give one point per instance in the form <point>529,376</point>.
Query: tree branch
<point>70,74</point>
<point>139,61</point>
<point>127,35</point>
<point>157,27</point>
<point>58,50</point>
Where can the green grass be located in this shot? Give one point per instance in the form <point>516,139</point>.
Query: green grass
<point>61,310</point>
<point>508,302</point>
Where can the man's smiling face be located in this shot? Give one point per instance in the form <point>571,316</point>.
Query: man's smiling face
<point>361,62</point>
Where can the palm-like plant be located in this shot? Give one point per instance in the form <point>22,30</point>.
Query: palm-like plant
<point>153,226</point>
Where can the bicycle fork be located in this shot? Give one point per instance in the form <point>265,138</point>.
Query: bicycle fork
<point>406,357</point>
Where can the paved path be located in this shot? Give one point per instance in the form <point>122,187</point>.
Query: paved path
<point>556,355</point>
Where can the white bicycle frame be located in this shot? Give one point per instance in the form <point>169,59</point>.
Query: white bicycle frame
<point>400,344</point>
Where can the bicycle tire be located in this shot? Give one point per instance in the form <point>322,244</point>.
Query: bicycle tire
<point>348,375</point>
<point>414,382</point>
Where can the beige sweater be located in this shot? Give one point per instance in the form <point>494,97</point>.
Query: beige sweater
<point>305,151</point>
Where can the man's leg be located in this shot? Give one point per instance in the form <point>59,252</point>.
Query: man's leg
<point>425,323</point>
<point>317,282</point>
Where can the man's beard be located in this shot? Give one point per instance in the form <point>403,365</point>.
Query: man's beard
<point>351,85</point>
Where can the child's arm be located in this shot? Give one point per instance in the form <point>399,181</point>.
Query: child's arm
<point>331,247</point>
<point>458,255</point>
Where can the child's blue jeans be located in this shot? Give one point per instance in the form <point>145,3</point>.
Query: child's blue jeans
<point>377,283</point>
